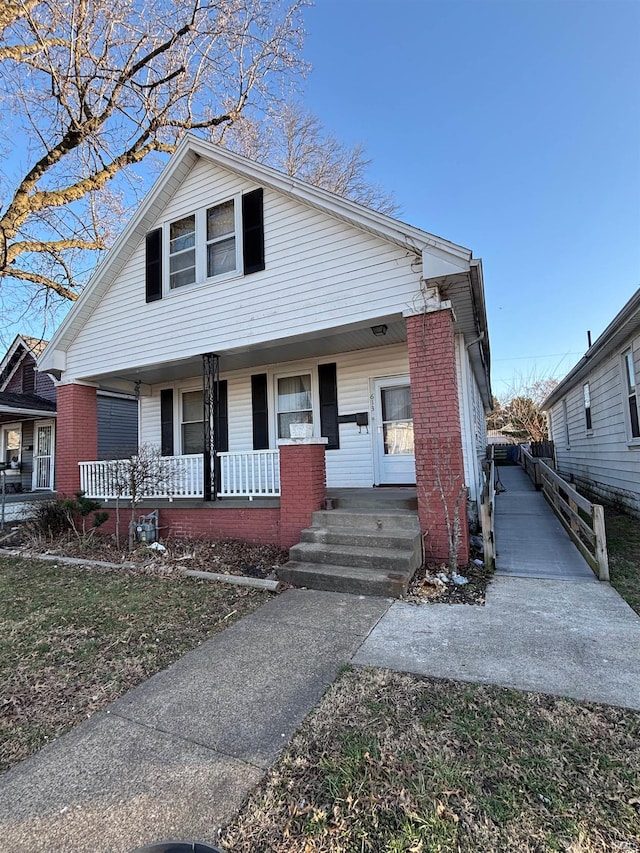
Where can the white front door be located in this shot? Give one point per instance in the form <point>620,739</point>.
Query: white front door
<point>393,432</point>
<point>43,455</point>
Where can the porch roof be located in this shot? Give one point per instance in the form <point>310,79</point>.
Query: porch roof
<point>30,405</point>
<point>347,338</point>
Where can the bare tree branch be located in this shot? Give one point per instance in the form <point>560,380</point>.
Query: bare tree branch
<point>95,88</point>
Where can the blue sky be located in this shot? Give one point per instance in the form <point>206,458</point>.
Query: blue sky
<point>511,127</point>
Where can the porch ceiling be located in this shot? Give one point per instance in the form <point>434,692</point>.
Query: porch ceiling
<point>343,339</point>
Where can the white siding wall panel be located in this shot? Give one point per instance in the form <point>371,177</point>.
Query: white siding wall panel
<point>319,273</point>
<point>603,460</point>
<point>352,464</point>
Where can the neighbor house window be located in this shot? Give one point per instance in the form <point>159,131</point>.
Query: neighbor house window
<point>11,441</point>
<point>294,402</point>
<point>192,422</point>
<point>632,397</point>
<point>182,252</point>
<point>587,406</point>
<point>565,414</point>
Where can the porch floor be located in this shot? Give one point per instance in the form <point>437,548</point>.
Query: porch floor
<point>380,497</point>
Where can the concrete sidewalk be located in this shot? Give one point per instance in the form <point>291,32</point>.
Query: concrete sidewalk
<point>570,639</point>
<point>176,757</point>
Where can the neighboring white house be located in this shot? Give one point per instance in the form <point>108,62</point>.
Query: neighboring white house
<point>297,306</point>
<point>594,414</point>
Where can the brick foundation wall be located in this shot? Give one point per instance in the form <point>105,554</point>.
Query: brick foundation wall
<point>437,432</point>
<point>303,488</point>
<point>258,525</point>
<point>76,435</point>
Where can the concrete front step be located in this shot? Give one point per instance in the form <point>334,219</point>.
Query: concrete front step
<point>367,519</point>
<point>383,498</point>
<point>386,559</point>
<point>351,579</point>
<point>405,540</point>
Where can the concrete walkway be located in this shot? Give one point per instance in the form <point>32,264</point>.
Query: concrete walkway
<point>177,756</point>
<point>570,639</point>
<point>530,541</point>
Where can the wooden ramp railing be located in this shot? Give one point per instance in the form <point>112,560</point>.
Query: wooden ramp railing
<point>487,511</point>
<point>583,520</point>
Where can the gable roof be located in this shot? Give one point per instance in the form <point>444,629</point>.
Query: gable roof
<point>22,345</point>
<point>625,323</point>
<point>187,154</point>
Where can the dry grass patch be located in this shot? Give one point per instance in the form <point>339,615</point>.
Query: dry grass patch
<point>623,546</point>
<point>73,639</point>
<point>390,762</point>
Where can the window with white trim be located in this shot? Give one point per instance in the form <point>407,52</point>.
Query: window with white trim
<point>11,440</point>
<point>586,393</point>
<point>192,427</point>
<point>204,245</point>
<point>565,414</point>
<point>633,423</point>
<point>294,402</point>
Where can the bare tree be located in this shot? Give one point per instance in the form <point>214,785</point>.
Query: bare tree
<point>90,88</point>
<point>519,412</point>
<point>294,141</point>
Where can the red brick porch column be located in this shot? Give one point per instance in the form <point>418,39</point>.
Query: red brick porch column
<point>303,485</point>
<point>437,432</point>
<point>76,434</point>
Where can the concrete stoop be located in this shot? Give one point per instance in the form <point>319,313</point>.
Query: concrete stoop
<point>365,550</point>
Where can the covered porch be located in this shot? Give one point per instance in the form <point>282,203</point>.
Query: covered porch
<point>379,398</point>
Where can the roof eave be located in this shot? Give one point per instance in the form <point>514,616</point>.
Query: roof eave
<point>597,351</point>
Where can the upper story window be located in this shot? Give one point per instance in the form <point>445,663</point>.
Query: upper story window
<point>203,245</point>
<point>587,406</point>
<point>221,239</point>
<point>182,252</point>
<point>631,393</point>
<point>226,239</point>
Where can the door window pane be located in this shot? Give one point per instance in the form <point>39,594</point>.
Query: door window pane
<point>397,423</point>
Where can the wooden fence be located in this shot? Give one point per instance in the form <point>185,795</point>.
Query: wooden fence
<point>487,511</point>
<point>583,520</point>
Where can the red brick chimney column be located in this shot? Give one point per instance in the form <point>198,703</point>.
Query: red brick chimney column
<point>437,432</point>
<point>303,485</point>
<point>76,434</point>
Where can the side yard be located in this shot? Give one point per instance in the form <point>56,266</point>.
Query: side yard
<point>623,545</point>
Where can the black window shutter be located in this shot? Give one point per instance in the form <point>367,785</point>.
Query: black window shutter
<point>252,232</point>
<point>153,265</point>
<point>260,411</point>
<point>222,424</point>
<point>328,388</point>
<point>166,422</point>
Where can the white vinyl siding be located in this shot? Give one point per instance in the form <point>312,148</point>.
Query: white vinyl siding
<point>352,464</point>
<point>606,461</point>
<point>472,422</point>
<point>320,273</point>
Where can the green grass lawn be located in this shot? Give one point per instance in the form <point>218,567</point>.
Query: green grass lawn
<point>72,639</point>
<point>623,546</point>
<point>395,763</point>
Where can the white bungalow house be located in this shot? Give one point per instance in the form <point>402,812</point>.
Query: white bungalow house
<point>244,307</point>
<point>594,414</point>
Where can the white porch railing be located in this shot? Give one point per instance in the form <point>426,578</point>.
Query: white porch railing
<point>250,474</point>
